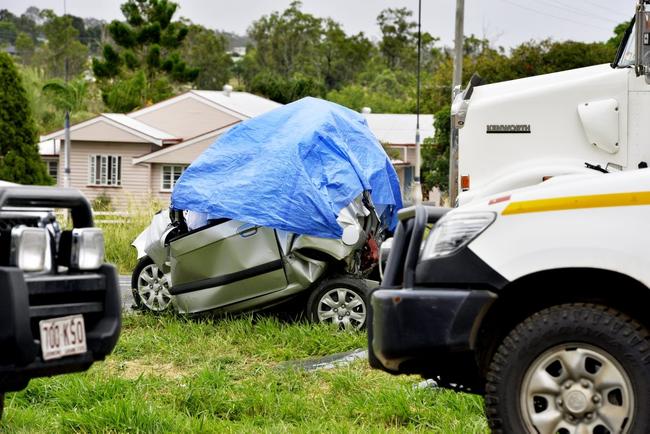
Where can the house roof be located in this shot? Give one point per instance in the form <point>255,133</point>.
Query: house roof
<point>399,129</point>
<point>240,105</point>
<point>155,157</point>
<point>123,122</point>
<point>141,127</point>
<point>244,103</point>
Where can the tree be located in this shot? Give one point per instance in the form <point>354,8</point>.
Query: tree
<point>206,51</point>
<point>8,33</point>
<point>294,54</point>
<point>386,82</point>
<point>62,47</point>
<point>20,161</point>
<point>70,96</point>
<point>92,34</point>
<point>386,91</point>
<point>398,36</point>
<point>126,94</point>
<point>342,57</point>
<point>435,153</point>
<point>285,90</point>
<point>619,32</point>
<point>30,22</point>
<point>147,43</point>
<point>287,43</point>
<point>25,48</point>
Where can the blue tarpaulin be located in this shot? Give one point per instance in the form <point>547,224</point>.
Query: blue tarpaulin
<point>293,168</point>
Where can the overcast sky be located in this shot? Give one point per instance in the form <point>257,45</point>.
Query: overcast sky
<point>505,22</point>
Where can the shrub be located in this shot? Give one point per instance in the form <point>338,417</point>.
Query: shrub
<point>19,158</point>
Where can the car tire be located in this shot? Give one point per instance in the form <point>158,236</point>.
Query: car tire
<point>570,368</point>
<point>342,301</point>
<point>150,287</point>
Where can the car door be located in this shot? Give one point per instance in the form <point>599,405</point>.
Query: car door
<point>226,263</point>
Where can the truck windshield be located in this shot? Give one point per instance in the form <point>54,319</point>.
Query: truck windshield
<point>626,55</point>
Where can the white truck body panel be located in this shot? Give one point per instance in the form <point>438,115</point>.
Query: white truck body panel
<point>614,238</point>
<point>559,140</point>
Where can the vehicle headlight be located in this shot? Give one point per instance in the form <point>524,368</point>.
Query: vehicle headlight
<point>30,248</point>
<point>454,231</point>
<point>87,249</point>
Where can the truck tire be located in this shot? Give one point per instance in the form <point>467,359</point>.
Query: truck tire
<point>580,368</point>
<point>342,301</point>
<point>160,300</point>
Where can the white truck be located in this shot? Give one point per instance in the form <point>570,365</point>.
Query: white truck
<point>521,132</point>
<point>537,299</point>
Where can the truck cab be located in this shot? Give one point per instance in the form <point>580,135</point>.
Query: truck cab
<point>522,132</point>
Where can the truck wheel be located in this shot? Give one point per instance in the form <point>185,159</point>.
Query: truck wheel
<point>150,287</point>
<point>341,301</point>
<point>572,368</point>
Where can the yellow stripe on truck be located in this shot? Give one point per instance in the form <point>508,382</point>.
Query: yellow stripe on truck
<point>578,202</point>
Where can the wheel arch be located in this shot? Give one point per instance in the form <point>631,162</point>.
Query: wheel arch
<point>534,292</point>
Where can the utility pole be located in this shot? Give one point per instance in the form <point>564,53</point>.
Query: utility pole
<point>416,193</point>
<point>66,145</point>
<point>458,77</point>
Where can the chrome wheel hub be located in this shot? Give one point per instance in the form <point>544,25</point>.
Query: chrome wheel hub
<point>343,307</point>
<point>576,388</point>
<point>153,288</point>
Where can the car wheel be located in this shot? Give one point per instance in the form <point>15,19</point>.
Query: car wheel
<point>150,286</point>
<point>341,301</point>
<point>572,368</point>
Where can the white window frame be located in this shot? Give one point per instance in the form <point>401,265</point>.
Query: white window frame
<point>99,172</point>
<point>54,163</point>
<point>171,178</point>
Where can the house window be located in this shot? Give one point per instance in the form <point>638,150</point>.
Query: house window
<point>105,170</point>
<point>53,169</point>
<point>408,177</point>
<point>170,175</point>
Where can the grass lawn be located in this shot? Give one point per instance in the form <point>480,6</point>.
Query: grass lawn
<point>169,374</point>
<point>119,236</point>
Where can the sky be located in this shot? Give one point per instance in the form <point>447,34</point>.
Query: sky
<point>504,22</point>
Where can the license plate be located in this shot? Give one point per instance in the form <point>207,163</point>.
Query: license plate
<point>63,336</point>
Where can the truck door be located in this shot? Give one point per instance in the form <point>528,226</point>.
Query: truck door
<point>226,263</point>
<point>638,127</point>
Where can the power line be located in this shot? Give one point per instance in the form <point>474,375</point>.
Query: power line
<point>537,11</point>
<point>556,3</point>
<point>593,3</point>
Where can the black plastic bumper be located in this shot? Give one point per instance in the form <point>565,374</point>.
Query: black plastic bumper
<point>423,324</point>
<point>25,300</point>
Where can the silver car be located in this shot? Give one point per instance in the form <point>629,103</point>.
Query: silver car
<point>231,266</point>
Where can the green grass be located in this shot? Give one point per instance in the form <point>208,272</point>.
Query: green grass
<point>169,374</point>
<point>119,236</point>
